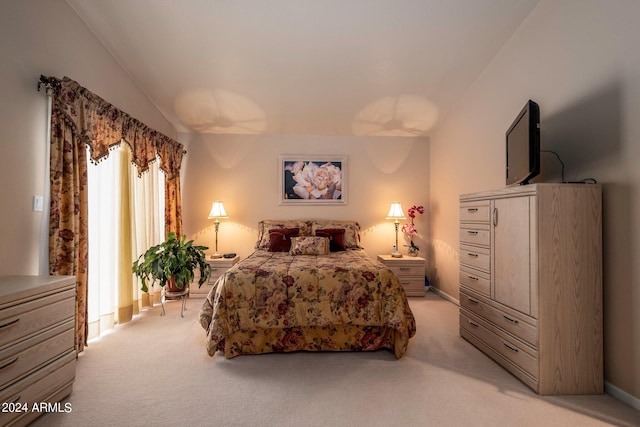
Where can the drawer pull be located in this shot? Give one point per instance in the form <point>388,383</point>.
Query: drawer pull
<point>514,321</point>
<point>472,232</point>
<point>5,364</point>
<point>473,278</point>
<point>472,255</point>
<point>510,347</point>
<point>9,323</point>
<point>472,210</point>
<point>405,268</point>
<point>474,324</point>
<point>473,301</point>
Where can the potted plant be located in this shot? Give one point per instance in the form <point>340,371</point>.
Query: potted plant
<point>172,263</point>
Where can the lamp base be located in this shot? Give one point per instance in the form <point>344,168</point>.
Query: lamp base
<point>216,256</point>
<point>396,255</point>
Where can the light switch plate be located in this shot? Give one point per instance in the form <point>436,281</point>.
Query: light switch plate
<point>38,203</point>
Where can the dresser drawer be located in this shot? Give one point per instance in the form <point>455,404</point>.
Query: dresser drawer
<point>510,322</point>
<point>511,349</point>
<point>477,234</point>
<point>475,211</point>
<point>40,386</point>
<point>20,359</point>
<point>476,280</point>
<point>475,257</point>
<point>21,320</point>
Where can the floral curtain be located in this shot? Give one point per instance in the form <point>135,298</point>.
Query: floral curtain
<point>79,118</point>
<point>170,161</point>
<point>68,213</point>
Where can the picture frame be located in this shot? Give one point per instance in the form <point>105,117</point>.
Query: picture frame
<point>311,179</point>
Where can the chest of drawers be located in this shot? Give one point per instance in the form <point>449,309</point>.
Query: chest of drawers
<point>531,283</point>
<point>37,348</point>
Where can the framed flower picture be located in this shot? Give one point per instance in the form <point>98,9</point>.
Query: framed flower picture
<point>313,180</point>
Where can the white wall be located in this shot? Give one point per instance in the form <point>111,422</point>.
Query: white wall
<point>579,60</point>
<point>46,37</point>
<point>242,171</point>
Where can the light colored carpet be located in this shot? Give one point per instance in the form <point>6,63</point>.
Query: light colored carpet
<point>155,371</point>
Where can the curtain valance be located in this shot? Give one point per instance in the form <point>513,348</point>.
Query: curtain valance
<point>102,126</point>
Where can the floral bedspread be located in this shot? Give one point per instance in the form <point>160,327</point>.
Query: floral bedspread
<point>273,301</point>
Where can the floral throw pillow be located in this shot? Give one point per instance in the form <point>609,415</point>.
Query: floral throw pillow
<point>280,239</point>
<point>265,225</point>
<point>336,238</point>
<point>309,245</point>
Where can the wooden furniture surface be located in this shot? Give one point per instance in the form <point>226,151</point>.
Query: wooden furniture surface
<point>37,348</point>
<point>409,270</point>
<point>531,283</point>
<point>219,266</point>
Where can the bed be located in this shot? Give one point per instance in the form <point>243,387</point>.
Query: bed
<point>308,286</point>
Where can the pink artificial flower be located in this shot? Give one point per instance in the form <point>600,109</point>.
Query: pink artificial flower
<point>409,229</point>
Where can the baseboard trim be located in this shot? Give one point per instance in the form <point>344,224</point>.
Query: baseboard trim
<point>444,295</point>
<point>622,395</point>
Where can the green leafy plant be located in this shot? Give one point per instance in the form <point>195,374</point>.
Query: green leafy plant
<point>172,260</point>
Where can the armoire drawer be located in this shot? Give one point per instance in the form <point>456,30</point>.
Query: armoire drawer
<point>475,211</point>
<point>475,257</point>
<point>475,234</point>
<point>477,280</point>
<point>511,323</point>
<point>510,348</point>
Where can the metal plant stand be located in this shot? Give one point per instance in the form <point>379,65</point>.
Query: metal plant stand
<point>182,294</point>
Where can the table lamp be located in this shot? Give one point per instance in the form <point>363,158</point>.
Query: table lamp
<point>396,213</point>
<point>217,213</point>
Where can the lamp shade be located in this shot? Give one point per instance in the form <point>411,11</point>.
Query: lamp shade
<point>396,211</point>
<point>217,211</point>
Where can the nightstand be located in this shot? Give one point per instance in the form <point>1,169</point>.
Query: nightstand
<point>410,270</point>
<point>219,266</point>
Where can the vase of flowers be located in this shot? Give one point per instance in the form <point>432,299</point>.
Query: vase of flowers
<point>409,229</point>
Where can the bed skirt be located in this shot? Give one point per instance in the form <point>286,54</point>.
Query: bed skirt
<point>335,338</point>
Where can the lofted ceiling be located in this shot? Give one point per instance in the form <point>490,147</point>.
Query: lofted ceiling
<point>306,67</point>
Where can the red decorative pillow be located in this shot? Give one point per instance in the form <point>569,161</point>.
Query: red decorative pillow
<point>280,239</point>
<point>336,238</point>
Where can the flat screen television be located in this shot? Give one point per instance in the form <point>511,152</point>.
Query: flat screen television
<point>523,146</point>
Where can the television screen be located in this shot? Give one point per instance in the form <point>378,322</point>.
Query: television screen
<point>523,146</point>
